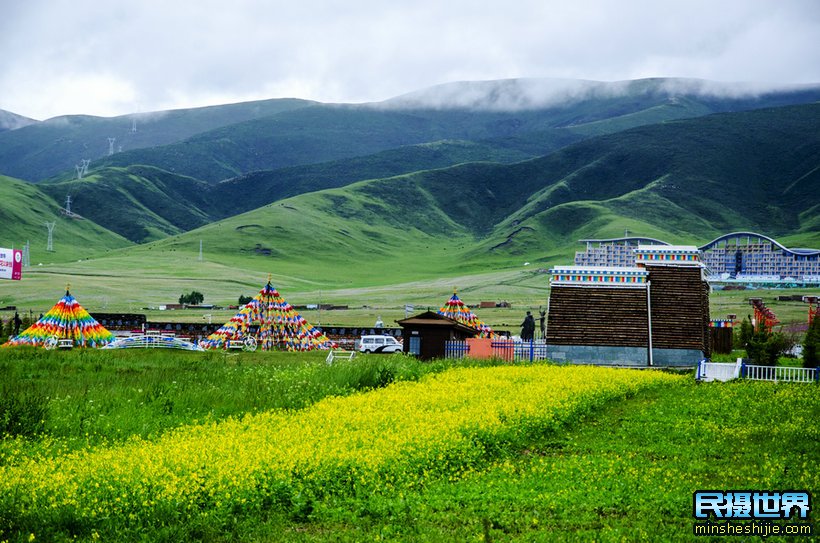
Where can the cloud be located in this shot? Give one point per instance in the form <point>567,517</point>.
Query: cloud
<point>108,58</point>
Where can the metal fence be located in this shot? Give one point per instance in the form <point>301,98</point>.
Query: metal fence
<point>456,349</point>
<point>512,351</point>
<point>520,351</point>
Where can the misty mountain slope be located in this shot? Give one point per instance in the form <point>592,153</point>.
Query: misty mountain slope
<point>302,137</point>
<point>139,202</point>
<point>12,121</point>
<point>47,148</point>
<point>331,132</point>
<point>527,116</point>
<point>24,210</point>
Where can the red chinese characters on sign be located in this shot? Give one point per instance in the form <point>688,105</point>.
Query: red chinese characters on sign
<point>11,264</point>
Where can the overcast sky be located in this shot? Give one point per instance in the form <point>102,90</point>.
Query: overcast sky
<point>112,57</point>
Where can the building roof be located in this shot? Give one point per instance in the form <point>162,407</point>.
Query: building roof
<point>598,276</point>
<point>796,252</point>
<point>431,318</point>
<point>627,240</point>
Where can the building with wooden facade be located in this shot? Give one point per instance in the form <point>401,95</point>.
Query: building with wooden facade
<point>655,313</point>
<point>425,334</point>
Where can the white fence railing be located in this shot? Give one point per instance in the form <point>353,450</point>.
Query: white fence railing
<point>780,373</point>
<point>152,340</point>
<point>711,371</point>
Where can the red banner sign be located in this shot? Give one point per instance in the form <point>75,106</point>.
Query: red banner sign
<point>11,264</point>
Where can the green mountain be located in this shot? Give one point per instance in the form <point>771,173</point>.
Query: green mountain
<point>682,181</point>
<point>44,149</point>
<point>537,126</point>
<point>610,161</point>
<point>534,117</point>
<point>24,210</point>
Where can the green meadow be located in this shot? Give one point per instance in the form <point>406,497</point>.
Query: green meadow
<point>616,467</point>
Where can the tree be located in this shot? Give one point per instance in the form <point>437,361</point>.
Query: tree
<point>244,300</point>
<point>763,347</point>
<point>194,298</point>
<point>811,345</point>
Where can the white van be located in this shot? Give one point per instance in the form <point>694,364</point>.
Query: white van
<point>379,344</point>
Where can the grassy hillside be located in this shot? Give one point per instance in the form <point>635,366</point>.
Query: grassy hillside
<point>263,187</point>
<point>145,203</point>
<point>24,210</point>
<point>44,149</point>
<point>140,203</point>
<point>682,181</point>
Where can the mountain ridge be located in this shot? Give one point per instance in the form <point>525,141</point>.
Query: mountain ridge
<point>221,142</point>
<point>604,167</point>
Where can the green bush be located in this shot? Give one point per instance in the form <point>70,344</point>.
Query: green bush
<point>763,347</point>
<point>811,345</point>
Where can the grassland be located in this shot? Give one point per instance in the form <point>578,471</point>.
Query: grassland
<point>145,278</point>
<point>399,450</point>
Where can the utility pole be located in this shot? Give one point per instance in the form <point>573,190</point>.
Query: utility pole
<point>50,226</point>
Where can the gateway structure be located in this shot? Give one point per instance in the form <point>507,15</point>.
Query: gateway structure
<point>655,313</point>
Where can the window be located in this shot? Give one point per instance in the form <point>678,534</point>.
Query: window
<point>415,345</point>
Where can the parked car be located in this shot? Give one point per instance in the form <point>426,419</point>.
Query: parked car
<point>379,344</point>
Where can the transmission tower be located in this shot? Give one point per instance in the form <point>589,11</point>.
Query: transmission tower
<point>111,146</point>
<point>79,169</point>
<point>50,226</point>
<point>86,162</point>
<point>200,250</point>
<point>26,255</point>
<point>68,204</point>
<point>133,124</point>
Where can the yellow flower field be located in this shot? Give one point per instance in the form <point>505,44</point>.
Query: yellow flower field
<point>402,436</point>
